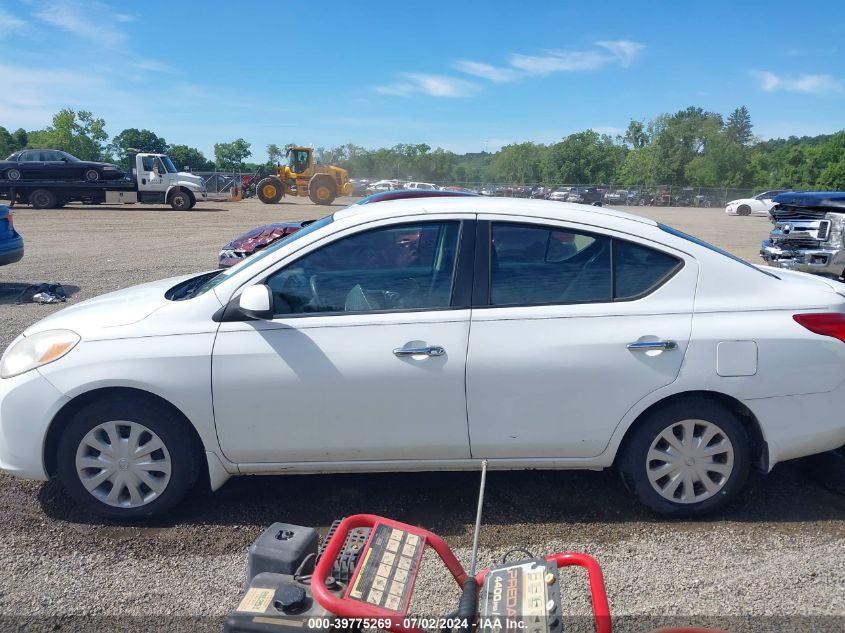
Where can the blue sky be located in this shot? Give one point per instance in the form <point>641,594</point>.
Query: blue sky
<point>465,76</point>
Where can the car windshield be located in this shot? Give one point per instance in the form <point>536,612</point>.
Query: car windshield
<point>708,246</point>
<point>168,164</point>
<point>70,157</point>
<point>223,275</point>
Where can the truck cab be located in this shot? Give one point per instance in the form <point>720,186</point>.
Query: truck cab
<point>160,182</point>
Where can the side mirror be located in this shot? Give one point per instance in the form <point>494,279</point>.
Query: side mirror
<point>257,302</point>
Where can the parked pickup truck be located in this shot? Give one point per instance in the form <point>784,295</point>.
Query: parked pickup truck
<point>153,179</point>
<point>808,233</point>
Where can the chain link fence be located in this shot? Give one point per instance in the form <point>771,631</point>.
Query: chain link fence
<point>222,182</point>
<point>660,195</point>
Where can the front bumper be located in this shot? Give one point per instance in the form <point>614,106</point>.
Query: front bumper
<point>829,261</point>
<point>28,403</point>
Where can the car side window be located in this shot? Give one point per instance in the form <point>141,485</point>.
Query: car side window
<point>147,163</point>
<point>535,265</point>
<point>538,265</point>
<point>638,269</point>
<point>30,157</point>
<point>397,267</point>
<point>51,156</point>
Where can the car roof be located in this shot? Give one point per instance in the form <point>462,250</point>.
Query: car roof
<point>581,213</point>
<point>834,199</point>
<point>402,194</point>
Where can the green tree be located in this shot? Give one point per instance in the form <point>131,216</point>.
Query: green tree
<point>142,140</point>
<point>639,167</point>
<point>274,154</point>
<point>230,156</point>
<point>738,127</point>
<point>184,156</point>
<point>583,158</point>
<point>519,163</point>
<point>7,143</point>
<point>76,132</point>
<point>636,135</point>
<point>724,164</point>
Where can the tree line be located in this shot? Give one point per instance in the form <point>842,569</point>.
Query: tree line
<point>82,134</point>
<point>691,147</point>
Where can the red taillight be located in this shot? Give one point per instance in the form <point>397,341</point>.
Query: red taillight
<point>825,323</point>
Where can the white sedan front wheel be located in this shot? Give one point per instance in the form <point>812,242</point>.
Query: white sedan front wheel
<point>687,458</point>
<point>127,457</point>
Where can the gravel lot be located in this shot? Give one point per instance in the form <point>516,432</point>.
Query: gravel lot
<point>776,554</point>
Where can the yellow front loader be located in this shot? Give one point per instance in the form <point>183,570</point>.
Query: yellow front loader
<point>302,177</point>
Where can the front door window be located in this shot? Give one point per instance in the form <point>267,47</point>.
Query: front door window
<point>404,267</point>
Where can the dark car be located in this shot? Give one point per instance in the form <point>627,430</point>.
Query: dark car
<point>261,237</point>
<point>11,243</point>
<point>53,164</point>
<point>585,195</point>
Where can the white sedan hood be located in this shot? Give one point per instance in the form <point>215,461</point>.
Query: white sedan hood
<point>122,307</point>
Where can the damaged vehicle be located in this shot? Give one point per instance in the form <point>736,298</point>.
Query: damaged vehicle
<point>808,233</point>
<point>254,240</point>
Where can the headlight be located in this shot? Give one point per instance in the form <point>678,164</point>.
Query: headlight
<point>109,168</point>
<point>37,350</point>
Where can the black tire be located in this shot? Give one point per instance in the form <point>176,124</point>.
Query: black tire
<point>183,449</point>
<point>91,175</point>
<point>42,199</point>
<point>13,174</point>
<point>181,200</point>
<point>634,462</point>
<point>322,190</point>
<point>743,209</point>
<point>270,190</point>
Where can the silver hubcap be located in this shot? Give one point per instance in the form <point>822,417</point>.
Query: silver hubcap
<point>123,464</point>
<point>92,175</point>
<point>690,461</point>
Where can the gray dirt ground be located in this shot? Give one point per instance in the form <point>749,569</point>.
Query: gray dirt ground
<point>775,553</point>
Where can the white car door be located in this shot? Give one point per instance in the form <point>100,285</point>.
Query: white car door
<point>579,327</point>
<point>364,360</point>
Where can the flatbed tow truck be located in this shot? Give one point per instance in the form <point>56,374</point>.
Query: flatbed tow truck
<point>153,179</point>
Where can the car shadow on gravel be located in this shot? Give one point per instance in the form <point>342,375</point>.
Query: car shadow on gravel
<point>445,502</point>
<point>10,291</point>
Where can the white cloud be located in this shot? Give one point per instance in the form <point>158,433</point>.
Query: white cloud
<point>623,51</point>
<point>815,84</point>
<point>431,85</point>
<point>93,21</point>
<point>9,22</point>
<point>561,61</point>
<point>607,52</point>
<point>497,74</point>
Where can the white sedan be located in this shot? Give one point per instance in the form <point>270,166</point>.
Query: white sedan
<point>758,205</point>
<point>428,334</point>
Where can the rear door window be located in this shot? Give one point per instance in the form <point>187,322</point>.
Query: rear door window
<point>537,265</point>
<point>639,269</point>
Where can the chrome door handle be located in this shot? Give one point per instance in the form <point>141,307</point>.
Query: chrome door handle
<point>646,346</point>
<point>432,350</point>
